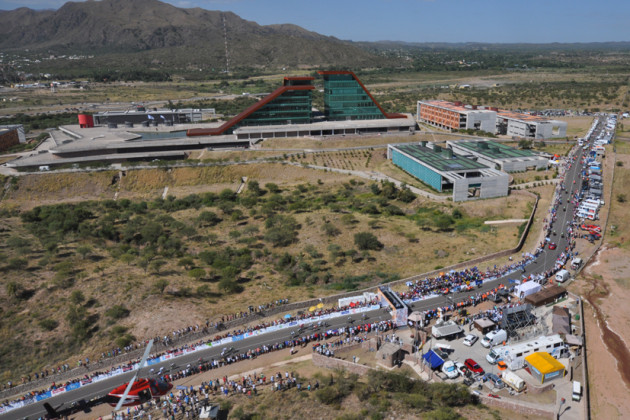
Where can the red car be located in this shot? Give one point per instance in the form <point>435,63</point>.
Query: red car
<point>552,246</point>
<point>474,367</point>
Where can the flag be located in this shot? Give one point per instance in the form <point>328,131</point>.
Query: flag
<point>149,116</point>
<point>162,116</point>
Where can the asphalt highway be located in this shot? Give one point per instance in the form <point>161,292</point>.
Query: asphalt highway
<point>545,262</point>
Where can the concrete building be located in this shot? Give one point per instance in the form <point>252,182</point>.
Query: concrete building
<point>443,170</point>
<point>498,156</point>
<point>516,124</point>
<point>147,118</point>
<point>456,116</point>
<point>10,135</point>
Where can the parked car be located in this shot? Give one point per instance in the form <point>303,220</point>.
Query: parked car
<point>495,381</point>
<point>461,368</point>
<point>474,367</point>
<point>470,339</point>
<point>450,370</point>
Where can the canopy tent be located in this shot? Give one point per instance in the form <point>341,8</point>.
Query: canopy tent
<point>415,317</point>
<point>433,359</point>
<point>544,367</point>
<point>528,288</point>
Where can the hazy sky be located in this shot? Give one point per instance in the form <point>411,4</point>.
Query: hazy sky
<point>503,21</point>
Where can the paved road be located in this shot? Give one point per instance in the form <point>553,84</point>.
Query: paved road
<point>544,262</point>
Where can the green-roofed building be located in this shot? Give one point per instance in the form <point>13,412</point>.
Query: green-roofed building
<point>498,155</point>
<point>444,170</point>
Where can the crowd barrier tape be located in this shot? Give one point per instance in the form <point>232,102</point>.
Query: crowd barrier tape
<point>169,356</point>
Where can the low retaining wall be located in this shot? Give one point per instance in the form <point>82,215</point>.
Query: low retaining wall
<point>334,363</point>
<point>508,405</point>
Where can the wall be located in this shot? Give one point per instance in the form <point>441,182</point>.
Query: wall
<point>8,139</point>
<point>503,403</point>
<point>334,363</point>
<point>416,169</point>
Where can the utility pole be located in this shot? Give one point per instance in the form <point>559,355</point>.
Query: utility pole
<point>227,57</point>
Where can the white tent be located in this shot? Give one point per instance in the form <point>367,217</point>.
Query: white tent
<point>523,290</point>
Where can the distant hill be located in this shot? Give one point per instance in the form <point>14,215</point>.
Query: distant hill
<point>132,26</point>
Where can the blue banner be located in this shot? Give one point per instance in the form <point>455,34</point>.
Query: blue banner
<point>238,337</point>
<point>72,386</point>
<point>43,396</point>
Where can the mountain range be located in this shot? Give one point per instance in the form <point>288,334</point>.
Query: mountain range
<point>168,32</point>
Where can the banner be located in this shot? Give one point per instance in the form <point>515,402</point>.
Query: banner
<point>72,386</point>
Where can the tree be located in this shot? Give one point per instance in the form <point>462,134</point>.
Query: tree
<point>254,188</point>
<point>84,250</point>
<point>160,285</point>
<point>230,286</point>
<point>367,241</point>
<point>127,258</point>
<point>156,265</point>
<point>186,262</point>
<point>197,273</point>
<point>117,312</point>
<point>330,229</point>
<point>208,218</point>
<point>281,230</point>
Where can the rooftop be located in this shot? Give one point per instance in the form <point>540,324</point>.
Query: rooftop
<point>454,106</point>
<point>493,149</point>
<point>437,159</point>
<point>520,116</point>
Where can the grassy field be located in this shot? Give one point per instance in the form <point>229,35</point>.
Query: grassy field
<point>320,262</point>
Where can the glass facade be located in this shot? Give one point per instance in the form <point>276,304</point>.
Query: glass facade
<point>291,107</point>
<point>345,99</point>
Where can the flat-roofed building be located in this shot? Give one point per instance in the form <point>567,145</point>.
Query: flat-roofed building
<point>517,124</point>
<point>443,170</point>
<point>456,116</point>
<point>498,155</point>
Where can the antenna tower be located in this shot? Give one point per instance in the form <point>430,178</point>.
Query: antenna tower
<point>227,57</point>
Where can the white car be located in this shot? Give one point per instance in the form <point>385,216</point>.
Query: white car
<point>461,368</point>
<point>450,370</point>
<point>470,339</point>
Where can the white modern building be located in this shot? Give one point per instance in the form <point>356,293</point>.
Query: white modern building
<point>497,155</point>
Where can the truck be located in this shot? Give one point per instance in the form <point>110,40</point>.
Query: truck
<point>576,263</point>
<point>493,338</point>
<point>445,329</point>
<point>513,381</point>
<point>514,355</point>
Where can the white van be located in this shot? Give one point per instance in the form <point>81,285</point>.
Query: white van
<point>493,338</point>
<point>561,277</point>
<point>577,391</point>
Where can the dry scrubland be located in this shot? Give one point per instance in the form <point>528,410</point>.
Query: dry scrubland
<point>45,289</point>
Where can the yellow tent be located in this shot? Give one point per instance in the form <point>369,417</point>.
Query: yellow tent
<point>544,367</point>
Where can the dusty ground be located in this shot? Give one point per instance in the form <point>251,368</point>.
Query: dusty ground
<point>605,286</point>
<point>607,332</point>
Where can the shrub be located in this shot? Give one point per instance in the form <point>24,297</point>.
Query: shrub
<point>48,324</point>
<point>117,312</point>
<point>367,241</point>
